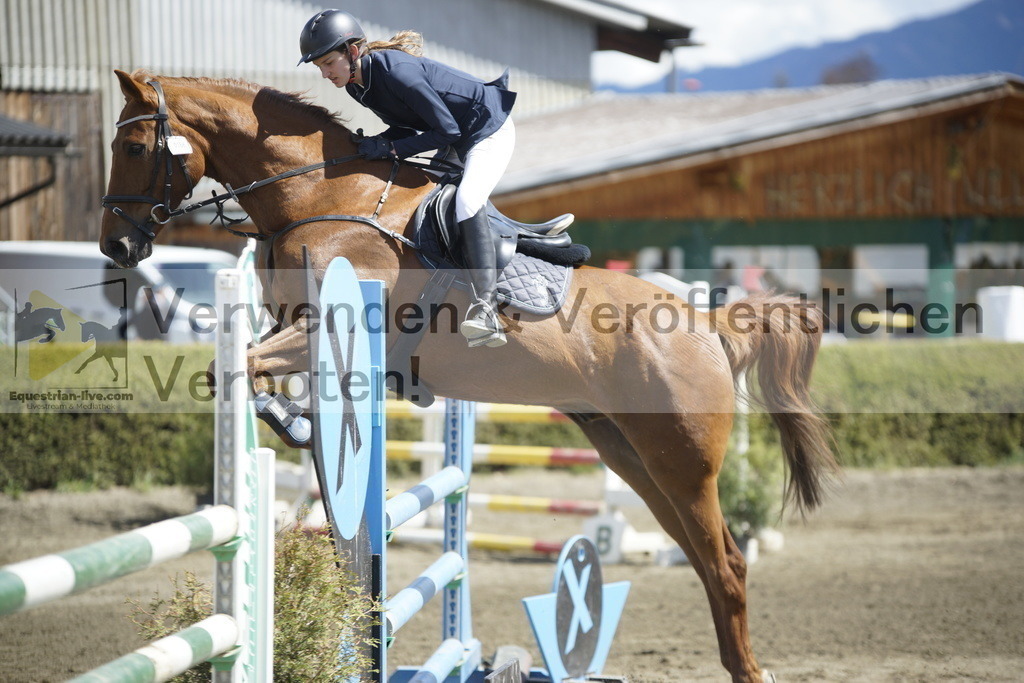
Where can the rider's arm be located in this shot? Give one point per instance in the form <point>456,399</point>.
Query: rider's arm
<point>397,133</point>
<point>408,83</point>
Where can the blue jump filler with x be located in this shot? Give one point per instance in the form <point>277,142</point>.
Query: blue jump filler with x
<point>574,625</point>
<point>343,385</point>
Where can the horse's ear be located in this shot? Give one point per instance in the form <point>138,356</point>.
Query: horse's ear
<point>129,86</point>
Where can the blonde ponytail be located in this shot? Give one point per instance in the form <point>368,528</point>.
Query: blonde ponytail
<point>410,42</point>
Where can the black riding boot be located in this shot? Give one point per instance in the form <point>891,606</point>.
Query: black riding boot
<point>481,327</point>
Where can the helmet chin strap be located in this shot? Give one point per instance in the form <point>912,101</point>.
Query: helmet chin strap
<point>351,65</point>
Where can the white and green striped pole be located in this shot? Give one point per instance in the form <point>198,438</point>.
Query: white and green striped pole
<point>40,580</point>
<point>163,659</point>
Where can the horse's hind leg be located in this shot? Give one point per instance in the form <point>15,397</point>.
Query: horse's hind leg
<point>683,454</point>
<point>620,457</point>
<point>110,362</point>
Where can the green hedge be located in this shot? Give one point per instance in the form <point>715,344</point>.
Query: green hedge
<point>924,403</point>
<point>102,450</point>
<point>906,403</point>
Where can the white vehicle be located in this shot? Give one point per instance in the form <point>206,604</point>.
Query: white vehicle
<point>169,296</point>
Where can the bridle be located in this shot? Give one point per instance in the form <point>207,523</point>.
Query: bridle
<point>163,152</point>
<point>166,140</point>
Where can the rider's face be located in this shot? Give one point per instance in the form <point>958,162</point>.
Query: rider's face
<point>335,67</point>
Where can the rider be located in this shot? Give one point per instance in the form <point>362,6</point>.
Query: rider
<point>428,106</point>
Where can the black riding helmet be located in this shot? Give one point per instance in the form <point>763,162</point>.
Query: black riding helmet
<point>326,31</point>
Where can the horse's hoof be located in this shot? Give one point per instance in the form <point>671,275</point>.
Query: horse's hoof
<point>300,430</point>
<point>767,676</point>
<point>284,417</point>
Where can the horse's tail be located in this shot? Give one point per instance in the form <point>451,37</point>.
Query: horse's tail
<point>781,336</point>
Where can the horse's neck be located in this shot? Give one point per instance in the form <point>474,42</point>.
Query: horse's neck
<point>252,146</point>
<point>246,147</point>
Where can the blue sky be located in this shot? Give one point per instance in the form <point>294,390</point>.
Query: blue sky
<point>740,31</point>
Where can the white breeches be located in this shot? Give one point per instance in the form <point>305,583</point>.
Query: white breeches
<point>484,165</point>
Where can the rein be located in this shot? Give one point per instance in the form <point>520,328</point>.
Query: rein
<point>166,140</point>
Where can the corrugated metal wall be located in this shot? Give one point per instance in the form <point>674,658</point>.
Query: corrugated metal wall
<point>73,46</point>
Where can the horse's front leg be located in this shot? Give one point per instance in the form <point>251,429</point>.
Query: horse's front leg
<point>272,360</point>
<point>87,361</point>
<point>270,363</point>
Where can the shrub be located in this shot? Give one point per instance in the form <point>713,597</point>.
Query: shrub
<point>190,603</point>
<point>751,484</point>
<point>314,603</point>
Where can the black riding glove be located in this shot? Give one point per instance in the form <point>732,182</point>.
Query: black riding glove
<point>377,147</point>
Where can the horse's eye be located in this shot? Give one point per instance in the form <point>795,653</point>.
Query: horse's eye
<point>136,149</point>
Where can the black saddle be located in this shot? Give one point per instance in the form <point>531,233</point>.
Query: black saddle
<point>546,241</point>
<point>535,265</point>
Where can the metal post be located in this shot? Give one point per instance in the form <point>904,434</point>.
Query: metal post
<point>456,614</point>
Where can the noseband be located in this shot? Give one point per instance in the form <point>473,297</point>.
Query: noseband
<point>165,140</point>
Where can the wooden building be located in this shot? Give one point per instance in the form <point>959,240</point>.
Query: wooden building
<point>49,180</point>
<point>937,163</point>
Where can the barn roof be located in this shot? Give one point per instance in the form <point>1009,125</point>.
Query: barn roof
<point>628,29</point>
<point>21,138</point>
<point>611,132</point>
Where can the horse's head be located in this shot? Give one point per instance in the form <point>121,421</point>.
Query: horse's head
<point>172,131</point>
<point>87,333</point>
<point>153,169</point>
<point>58,318</point>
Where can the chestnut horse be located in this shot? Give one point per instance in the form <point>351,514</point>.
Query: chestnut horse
<point>649,379</point>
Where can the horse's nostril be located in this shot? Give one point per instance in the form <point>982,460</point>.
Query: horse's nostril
<point>115,251</point>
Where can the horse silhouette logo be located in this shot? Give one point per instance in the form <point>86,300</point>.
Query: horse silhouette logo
<point>38,323</point>
<point>55,335</point>
<point>94,331</point>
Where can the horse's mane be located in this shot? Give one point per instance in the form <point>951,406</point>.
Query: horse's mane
<point>236,86</point>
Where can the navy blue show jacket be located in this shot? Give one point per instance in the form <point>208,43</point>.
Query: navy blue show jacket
<point>429,105</point>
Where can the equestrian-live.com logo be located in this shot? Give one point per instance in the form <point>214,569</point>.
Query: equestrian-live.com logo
<point>58,346</point>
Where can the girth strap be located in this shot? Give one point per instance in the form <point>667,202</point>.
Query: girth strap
<point>328,217</point>
<point>401,370</point>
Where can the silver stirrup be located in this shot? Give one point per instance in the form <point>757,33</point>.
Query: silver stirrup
<point>478,333</point>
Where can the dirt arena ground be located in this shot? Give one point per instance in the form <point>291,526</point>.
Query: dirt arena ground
<point>904,576</point>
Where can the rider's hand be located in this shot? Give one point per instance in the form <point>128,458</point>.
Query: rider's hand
<point>377,147</point>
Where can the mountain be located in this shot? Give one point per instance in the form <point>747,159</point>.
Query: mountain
<point>986,36</point>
